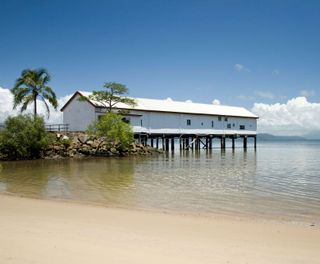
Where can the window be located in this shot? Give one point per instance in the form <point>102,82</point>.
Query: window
<point>188,122</point>
<point>212,123</point>
<point>219,118</point>
<point>242,127</point>
<point>226,119</point>
<point>233,124</point>
<point>141,122</point>
<point>201,123</point>
<point>126,120</point>
<point>228,125</point>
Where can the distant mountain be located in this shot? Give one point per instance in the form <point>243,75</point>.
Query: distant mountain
<point>269,137</point>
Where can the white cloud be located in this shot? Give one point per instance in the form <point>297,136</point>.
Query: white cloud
<point>307,93</point>
<point>264,94</point>
<point>6,105</point>
<point>296,117</point>
<point>275,72</point>
<point>240,68</point>
<point>216,102</point>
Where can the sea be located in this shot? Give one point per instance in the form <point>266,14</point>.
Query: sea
<point>277,180</point>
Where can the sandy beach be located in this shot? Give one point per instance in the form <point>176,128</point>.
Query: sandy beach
<point>39,231</point>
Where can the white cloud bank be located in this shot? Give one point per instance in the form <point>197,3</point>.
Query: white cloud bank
<point>296,117</point>
<point>6,104</point>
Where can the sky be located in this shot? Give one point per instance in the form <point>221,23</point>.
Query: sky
<point>262,55</point>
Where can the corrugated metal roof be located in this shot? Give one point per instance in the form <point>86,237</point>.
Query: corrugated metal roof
<point>168,105</point>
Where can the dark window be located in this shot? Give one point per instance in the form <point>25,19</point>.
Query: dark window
<point>201,123</point>
<point>219,118</point>
<point>242,127</point>
<point>233,124</point>
<point>212,123</point>
<point>141,122</point>
<point>226,119</point>
<point>229,126</point>
<point>188,122</point>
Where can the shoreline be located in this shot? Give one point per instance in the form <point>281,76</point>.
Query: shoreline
<point>46,231</point>
<point>239,216</point>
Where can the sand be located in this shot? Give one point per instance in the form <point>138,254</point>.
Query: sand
<point>38,231</point>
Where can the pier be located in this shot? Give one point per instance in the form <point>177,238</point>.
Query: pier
<point>168,142</point>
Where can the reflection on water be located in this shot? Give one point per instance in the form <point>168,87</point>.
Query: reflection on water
<point>279,179</point>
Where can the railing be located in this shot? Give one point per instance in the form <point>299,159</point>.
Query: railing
<point>57,127</point>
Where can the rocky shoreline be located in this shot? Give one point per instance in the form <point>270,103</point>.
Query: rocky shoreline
<point>78,145</point>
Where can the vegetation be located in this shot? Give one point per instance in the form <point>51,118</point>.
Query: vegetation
<point>114,94</point>
<point>116,132</point>
<point>23,137</point>
<point>31,86</point>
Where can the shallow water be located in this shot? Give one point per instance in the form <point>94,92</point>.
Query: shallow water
<point>278,180</point>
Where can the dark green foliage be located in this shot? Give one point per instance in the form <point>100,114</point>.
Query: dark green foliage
<point>117,133</point>
<point>23,137</point>
<point>32,86</point>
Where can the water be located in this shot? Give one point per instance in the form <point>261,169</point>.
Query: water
<point>279,180</point>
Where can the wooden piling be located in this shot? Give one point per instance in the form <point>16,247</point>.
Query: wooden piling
<point>245,142</point>
<point>172,144</point>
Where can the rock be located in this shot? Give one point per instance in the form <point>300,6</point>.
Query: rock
<point>83,138</point>
<point>65,137</point>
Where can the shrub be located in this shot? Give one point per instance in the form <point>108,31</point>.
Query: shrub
<point>114,129</point>
<point>23,137</point>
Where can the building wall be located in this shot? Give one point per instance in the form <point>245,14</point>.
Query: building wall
<point>78,115</point>
<point>157,122</point>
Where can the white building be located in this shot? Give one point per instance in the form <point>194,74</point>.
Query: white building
<point>166,117</point>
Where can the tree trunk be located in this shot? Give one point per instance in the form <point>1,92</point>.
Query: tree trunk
<point>35,106</point>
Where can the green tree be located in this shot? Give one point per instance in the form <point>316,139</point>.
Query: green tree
<point>114,94</point>
<point>23,137</point>
<point>30,86</point>
<point>116,132</point>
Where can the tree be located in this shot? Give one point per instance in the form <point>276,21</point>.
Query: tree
<point>112,96</point>
<point>30,86</point>
<point>116,132</point>
<point>23,137</point>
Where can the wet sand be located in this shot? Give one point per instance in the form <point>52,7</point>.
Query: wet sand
<point>39,231</point>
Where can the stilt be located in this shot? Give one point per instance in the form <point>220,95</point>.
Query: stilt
<point>167,144</point>
<point>233,143</point>
<point>151,142</point>
<point>245,140</point>
<point>210,143</point>
<point>163,145</point>
<point>255,141</point>
<point>172,144</point>
<point>223,142</point>
<point>157,143</point>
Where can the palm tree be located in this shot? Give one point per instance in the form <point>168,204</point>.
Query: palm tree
<point>30,86</point>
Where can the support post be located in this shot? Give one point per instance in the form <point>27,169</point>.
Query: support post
<point>172,144</point>
<point>151,142</point>
<point>255,142</point>
<point>233,143</point>
<point>245,142</point>
<point>223,142</point>
<point>210,143</point>
<point>167,144</point>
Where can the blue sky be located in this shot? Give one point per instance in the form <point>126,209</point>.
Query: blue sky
<point>240,52</point>
<point>181,49</point>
